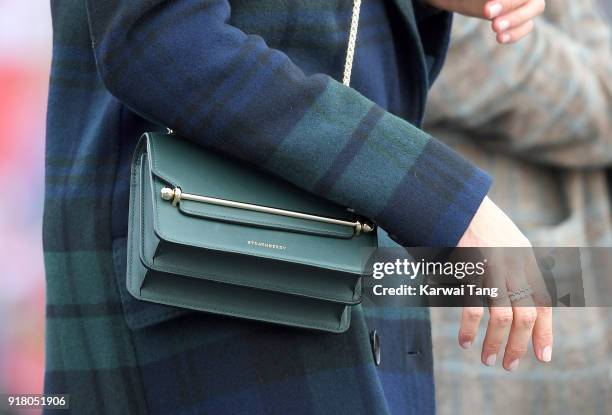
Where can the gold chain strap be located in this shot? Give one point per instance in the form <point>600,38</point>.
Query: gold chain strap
<point>350,50</point>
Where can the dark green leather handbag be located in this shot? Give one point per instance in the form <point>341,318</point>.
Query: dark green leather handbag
<point>210,233</point>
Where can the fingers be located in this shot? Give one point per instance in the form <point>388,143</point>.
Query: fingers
<point>518,16</point>
<point>524,319</point>
<point>520,318</point>
<point>496,8</point>
<point>513,19</point>
<point>500,311</point>
<point>516,34</point>
<point>543,334</point>
<point>470,321</point>
<point>523,309</point>
<point>500,320</point>
<point>542,331</point>
<point>520,313</point>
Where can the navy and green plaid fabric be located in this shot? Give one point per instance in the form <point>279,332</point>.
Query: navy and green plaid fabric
<point>257,82</point>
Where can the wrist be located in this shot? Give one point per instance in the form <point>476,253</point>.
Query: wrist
<point>491,227</point>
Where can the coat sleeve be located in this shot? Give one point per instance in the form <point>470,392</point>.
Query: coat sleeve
<point>180,64</point>
<point>546,99</point>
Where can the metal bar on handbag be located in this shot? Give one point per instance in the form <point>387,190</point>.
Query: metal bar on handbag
<point>176,195</point>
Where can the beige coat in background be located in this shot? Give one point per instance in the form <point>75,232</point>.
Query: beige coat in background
<point>537,116</point>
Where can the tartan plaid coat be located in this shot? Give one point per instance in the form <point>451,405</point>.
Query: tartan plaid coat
<point>255,81</point>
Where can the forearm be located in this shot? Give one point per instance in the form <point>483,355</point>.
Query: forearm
<point>231,92</point>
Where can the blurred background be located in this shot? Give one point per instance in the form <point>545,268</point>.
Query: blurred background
<point>25,50</point>
<point>25,53</point>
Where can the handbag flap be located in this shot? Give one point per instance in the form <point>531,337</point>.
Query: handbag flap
<point>176,162</point>
<point>203,172</point>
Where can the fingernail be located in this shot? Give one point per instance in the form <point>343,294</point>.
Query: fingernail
<point>513,365</point>
<point>505,38</point>
<point>490,361</point>
<point>495,10</point>
<point>547,354</point>
<point>503,25</point>
<point>466,345</point>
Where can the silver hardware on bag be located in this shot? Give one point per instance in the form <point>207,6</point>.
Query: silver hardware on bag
<point>176,195</point>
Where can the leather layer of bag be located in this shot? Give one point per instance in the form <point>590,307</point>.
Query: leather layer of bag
<point>213,234</point>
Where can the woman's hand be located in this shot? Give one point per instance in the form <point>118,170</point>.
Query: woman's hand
<point>523,304</point>
<point>512,19</point>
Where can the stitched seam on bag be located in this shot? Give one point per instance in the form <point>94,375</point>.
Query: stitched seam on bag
<point>221,310</point>
<point>271,224</point>
<point>137,167</point>
<point>169,239</point>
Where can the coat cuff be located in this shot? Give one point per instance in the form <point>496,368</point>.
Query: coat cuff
<point>436,200</point>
